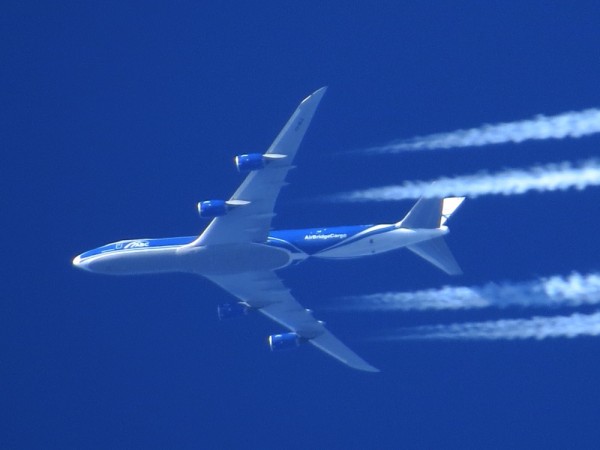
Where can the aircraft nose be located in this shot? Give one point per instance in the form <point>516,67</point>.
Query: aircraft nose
<point>78,263</point>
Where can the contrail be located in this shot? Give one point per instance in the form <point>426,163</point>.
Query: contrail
<point>555,291</point>
<point>567,125</point>
<point>535,328</point>
<point>550,177</point>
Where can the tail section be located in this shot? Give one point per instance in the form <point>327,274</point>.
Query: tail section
<point>433,213</point>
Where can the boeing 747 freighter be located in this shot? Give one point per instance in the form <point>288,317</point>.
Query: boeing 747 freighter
<point>239,252</point>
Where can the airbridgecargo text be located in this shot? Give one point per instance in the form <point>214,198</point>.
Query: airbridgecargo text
<point>310,237</point>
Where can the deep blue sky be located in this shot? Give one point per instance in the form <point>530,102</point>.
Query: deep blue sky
<point>116,119</point>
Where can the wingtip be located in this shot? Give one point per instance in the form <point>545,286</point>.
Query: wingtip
<point>368,368</point>
<point>317,94</point>
<point>360,364</point>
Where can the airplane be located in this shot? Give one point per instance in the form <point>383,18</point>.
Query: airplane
<point>239,252</point>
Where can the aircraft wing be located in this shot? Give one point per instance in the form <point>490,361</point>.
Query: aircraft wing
<point>252,221</point>
<point>267,293</point>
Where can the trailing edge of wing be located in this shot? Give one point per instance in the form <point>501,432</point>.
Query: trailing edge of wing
<point>336,348</point>
<point>267,293</point>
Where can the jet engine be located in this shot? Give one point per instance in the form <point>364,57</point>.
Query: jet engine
<point>216,208</point>
<point>284,341</point>
<point>249,162</point>
<point>230,310</point>
<point>212,208</point>
<point>254,161</point>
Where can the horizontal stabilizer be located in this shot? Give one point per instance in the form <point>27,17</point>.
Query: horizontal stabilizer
<point>437,253</point>
<point>449,206</point>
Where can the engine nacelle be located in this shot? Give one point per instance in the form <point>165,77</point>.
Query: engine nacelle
<point>212,208</point>
<point>216,208</point>
<point>250,162</point>
<point>230,310</point>
<point>284,341</point>
<point>255,161</point>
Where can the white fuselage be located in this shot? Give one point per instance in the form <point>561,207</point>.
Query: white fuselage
<point>146,256</point>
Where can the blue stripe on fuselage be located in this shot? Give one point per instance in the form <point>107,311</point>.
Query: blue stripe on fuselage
<point>313,240</point>
<point>308,241</point>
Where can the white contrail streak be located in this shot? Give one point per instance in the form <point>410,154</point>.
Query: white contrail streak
<point>535,328</point>
<point>556,291</point>
<point>567,125</point>
<point>551,177</point>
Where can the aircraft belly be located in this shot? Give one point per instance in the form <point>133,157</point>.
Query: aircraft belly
<point>135,262</point>
<point>234,258</point>
<point>378,243</point>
